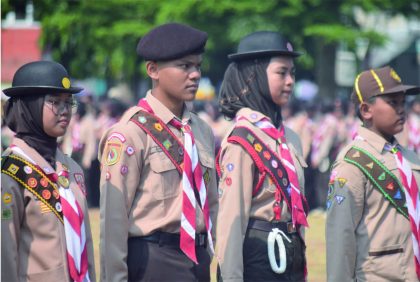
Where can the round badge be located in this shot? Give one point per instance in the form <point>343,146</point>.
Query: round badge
<point>32,182</point>
<point>58,207</point>
<point>47,170</point>
<point>228,181</point>
<point>274,163</point>
<point>43,182</point>
<point>124,169</point>
<point>7,198</point>
<point>280,173</point>
<point>56,194</point>
<point>66,82</point>
<point>46,194</point>
<point>129,150</point>
<point>285,182</point>
<point>230,167</point>
<point>27,169</point>
<point>180,151</point>
<point>64,182</point>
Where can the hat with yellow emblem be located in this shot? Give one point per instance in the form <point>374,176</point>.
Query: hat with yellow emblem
<point>376,82</point>
<point>41,77</point>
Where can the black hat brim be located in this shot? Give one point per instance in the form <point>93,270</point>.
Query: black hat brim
<point>262,54</point>
<point>32,90</point>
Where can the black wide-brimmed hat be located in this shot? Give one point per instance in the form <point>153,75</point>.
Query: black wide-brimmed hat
<point>41,77</point>
<point>263,44</point>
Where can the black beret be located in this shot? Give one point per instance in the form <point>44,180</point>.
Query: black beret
<point>171,41</point>
<point>41,77</point>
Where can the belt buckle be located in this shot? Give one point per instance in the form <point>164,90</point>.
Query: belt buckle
<point>291,228</point>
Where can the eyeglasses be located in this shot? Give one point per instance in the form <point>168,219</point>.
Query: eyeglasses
<point>58,106</point>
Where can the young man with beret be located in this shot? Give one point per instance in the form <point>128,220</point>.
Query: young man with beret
<point>373,207</point>
<point>158,181</point>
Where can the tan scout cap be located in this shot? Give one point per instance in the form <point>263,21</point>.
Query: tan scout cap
<point>381,81</point>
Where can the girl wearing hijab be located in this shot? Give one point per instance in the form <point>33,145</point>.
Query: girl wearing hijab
<point>45,222</point>
<point>262,209</point>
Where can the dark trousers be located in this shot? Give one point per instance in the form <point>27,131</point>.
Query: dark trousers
<point>257,265</point>
<point>149,261</point>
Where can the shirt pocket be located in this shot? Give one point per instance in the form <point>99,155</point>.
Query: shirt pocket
<point>385,263</point>
<point>165,178</point>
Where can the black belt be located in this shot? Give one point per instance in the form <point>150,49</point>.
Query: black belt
<point>267,226</point>
<point>171,239</point>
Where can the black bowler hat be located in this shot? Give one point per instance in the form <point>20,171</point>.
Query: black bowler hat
<point>41,77</point>
<point>263,44</point>
<point>171,41</point>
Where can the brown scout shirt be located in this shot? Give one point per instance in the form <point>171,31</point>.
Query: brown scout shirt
<point>361,221</point>
<point>236,204</point>
<point>141,190</point>
<point>33,243</point>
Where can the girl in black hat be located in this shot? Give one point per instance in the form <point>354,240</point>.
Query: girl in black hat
<point>45,223</point>
<point>262,209</point>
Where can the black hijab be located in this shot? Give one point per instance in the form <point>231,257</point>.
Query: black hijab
<point>24,117</point>
<point>245,84</point>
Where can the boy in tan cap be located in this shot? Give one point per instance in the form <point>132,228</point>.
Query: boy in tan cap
<point>373,210</point>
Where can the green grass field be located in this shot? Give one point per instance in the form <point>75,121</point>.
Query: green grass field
<point>315,241</point>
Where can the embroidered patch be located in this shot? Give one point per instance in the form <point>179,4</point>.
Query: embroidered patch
<point>6,213</point>
<point>382,176</point>
<point>117,135</point>
<point>339,199</point>
<point>27,169</point>
<point>65,168</point>
<point>167,144</point>
<point>58,207</point>
<point>228,181</point>
<point>356,154</point>
<point>63,181</point>
<point>370,165</point>
<point>206,177</point>
<point>332,177</point>
<point>250,138</point>
<point>341,181</point>
<point>7,198</point>
<point>230,167</point>
<point>43,182</point>
<point>274,164</point>
<point>43,207</point>
<point>124,169</point>
<point>108,175</point>
<point>158,126</point>
<point>390,186</point>
<point>56,194</point>
<point>46,194</point>
<point>13,169</point>
<point>258,147</point>
<point>180,151</point>
<point>267,155</point>
<point>80,180</point>
<point>330,191</point>
<point>129,150</point>
<point>113,152</point>
<point>142,119</point>
<point>32,182</point>
<point>285,182</point>
<point>397,195</point>
<point>280,173</point>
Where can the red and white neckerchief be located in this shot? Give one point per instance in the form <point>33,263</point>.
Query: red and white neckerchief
<point>74,227</point>
<point>411,190</point>
<point>298,213</point>
<point>192,178</point>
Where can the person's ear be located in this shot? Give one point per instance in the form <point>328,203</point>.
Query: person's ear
<point>152,70</point>
<point>365,111</point>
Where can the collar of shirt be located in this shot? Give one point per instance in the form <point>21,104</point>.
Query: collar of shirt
<point>163,112</point>
<point>251,115</point>
<point>34,155</point>
<point>375,140</point>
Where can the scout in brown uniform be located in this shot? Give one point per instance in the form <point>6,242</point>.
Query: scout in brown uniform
<point>368,211</point>
<point>43,238</point>
<point>143,183</point>
<point>255,190</point>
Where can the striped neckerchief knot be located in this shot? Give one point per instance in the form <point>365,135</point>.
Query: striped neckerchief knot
<point>412,196</point>
<point>192,183</point>
<point>298,212</point>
